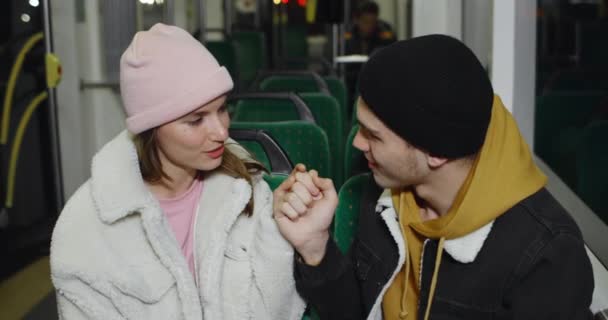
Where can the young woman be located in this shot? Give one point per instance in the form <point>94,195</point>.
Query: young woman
<point>175,221</point>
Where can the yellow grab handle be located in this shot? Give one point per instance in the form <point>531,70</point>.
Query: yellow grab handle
<point>12,167</point>
<point>10,88</point>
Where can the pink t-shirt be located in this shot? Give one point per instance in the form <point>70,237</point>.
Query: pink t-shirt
<point>180,211</point>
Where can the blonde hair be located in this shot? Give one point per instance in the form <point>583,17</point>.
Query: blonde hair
<point>152,171</point>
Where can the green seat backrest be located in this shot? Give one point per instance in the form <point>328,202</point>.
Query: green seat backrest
<point>257,152</point>
<point>250,54</point>
<point>310,314</point>
<point>302,84</point>
<point>225,53</point>
<point>303,142</point>
<point>326,111</point>
<point>353,117</point>
<point>592,168</point>
<point>346,219</point>
<point>559,121</point>
<point>265,110</point>
<point>274,180</point>
<point>263,148</point>
<point>337,88</point>
<point>354,161</point>
<point>324,108</point>
<point>296,45</point>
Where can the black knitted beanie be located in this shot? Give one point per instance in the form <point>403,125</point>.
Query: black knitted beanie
<point>432,91</point>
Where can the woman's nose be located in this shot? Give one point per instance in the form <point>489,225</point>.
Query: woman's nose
<point>218,129</point>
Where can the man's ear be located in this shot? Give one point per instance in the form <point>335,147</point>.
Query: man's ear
<point>435,162</point>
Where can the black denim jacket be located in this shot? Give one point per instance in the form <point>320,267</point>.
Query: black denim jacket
<point>533,265</point>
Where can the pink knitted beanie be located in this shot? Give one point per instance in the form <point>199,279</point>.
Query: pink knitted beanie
<point>165,74</point>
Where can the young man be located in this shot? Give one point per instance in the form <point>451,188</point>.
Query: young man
<point>464,228</point>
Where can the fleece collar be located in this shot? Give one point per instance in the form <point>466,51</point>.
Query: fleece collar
<point>463,249</point>
<point>117,186</point>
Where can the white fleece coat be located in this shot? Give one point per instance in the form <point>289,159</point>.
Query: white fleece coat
<point>114,255</point>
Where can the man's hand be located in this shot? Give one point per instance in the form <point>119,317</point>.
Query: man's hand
<point>304,206</point>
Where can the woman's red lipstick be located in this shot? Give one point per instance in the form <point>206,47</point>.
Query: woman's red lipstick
<point>216,153</point>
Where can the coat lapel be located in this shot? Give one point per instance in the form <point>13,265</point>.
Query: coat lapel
<point>223,200</point>
<point>117,186</point>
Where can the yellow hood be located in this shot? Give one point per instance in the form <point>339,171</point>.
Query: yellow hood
<point>503,174</point>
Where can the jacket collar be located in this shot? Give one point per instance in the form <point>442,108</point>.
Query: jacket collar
<point>464,249</point>
<point>117,186</point>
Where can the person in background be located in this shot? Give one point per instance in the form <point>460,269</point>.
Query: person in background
<point>458,223</point>
<point>175,221</point>
<point>367,34</point>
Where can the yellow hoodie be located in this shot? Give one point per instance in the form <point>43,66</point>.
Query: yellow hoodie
<point>503,174</point>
